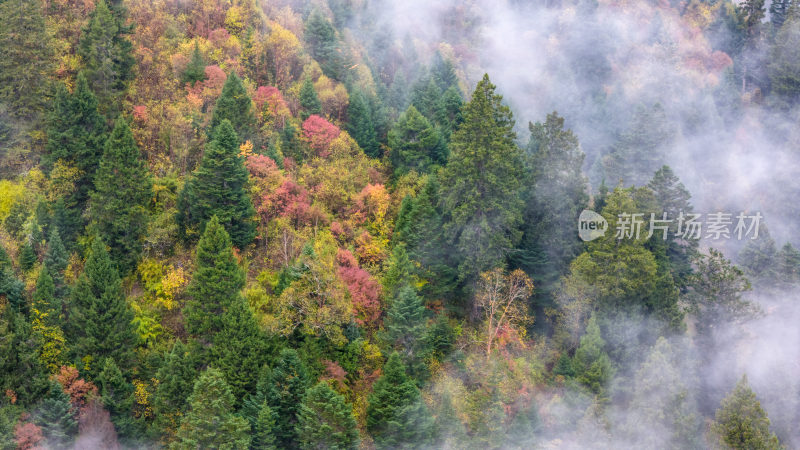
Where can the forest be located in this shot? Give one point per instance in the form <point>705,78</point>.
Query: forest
<point>359,224</point>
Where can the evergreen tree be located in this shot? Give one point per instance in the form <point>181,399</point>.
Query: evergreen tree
<point>117,396</point>
<point>107,57</point>
<point>100,322</point>
<point>360,124</point>
<point>264,429</point>
<point>758,258</point>
<point>555,194</point>
<point>257,411</point>
<point>592,365</point>
<point>309,100</point>
<point>291,380</point>
<point>741,423</point>
<point>21,371</point>
<point>215,286</point>
<point>76,134</point>
<point>210,421</point>
<point>56,260</point>
<point>10,286</point>
<point>324,420</point>
<point>56,416</point>
<point>196,69</point>
<point>399,271</point>
<point>777,12</point>
<point>788,269</point>
<point>235,106</point>
<point>27,256</point>
<point>415,143</point>
<point>323,44</point>
<point>219,188</point>
<point>481,182</point>
<point>26,58</point>
<point>396,415</point>
<point>176,378</point>
<point>406,330</point>
<point>44,298</point>
<point>123,189</point>
<point>784,61</point>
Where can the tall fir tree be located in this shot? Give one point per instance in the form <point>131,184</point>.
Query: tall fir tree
<point>196,69</point>
<point>360,123</point>
<point>176,378</point>
<point>123,190</point>
<point>11,287</point>
<point>784,61</point>
<point>324,420</point>
<point>76,134</point>
<point>210,421</point>
<point>481,182</point>
<point>396,415</point>
<point>592,365</point>
<point>219,188</point>
<point>107,57</point>
<point>216,284</point>
<point>100,321</point>
<point>741,423</point>
<point>56,415</point>
<point>117,395</point>
<point>415,144</point>
<point>406,327</point>
<point>45,300</point>
<point>56,260</point>
<point>234,105</point>
<point>264,429</point>
<point>324,45</point>
<point>309,100</point>
<point>21,371</point>
<point>291,380</point>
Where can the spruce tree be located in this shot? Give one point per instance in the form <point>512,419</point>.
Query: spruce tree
<point>324,420</point>
<point>76,134</point>
<point>57,417</point>
<point>360,124</point>
<point>210,421</point>
<point>309,100</point>
<point>27,256</point>
<point>291,380</point>
<point>741,423</point>
<point>118,205</point>
<point>219,188</point>
<point>45,300</point>
<point>481,182</point>
<point>11,287</point>
<point>196,69</point>
<point>407,329</point>
<point>592,365</point>
<point>323,44</point>
<point>399,271</point>
<point>235,106</point>
<point>216,284</point>
<point>21,370</point>
<point>176,378</point>
<point>396,415</point>
<point>107,57</point>
<point>117,396</point>
<point>56,261</point>
<point>788,268</point>
<point>100,322</point>
<point>257,411</point>
<point>264,429</point>
<point>784,65</point>
<point>415,143</point>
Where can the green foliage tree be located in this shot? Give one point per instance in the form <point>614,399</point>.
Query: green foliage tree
<point>100,321</point>
<point>11,287</point>
<point>27,256</point>
<point>196,69</point>
<point>324,420</point>
<point>415,143</point>
<point>56,261</point>
<point>21,371</point>
<point>123,190</point>
<point>406,328</point>
<point>44,298</point>
<point>788,265</point>
<point>758,258</point>
<point>210,421</point>
<point>264,429</point>
<point>323,44</point>
<point>396,415</point>
<point>219,188</point>
<point>360,123</point>
<point>481,182</point>
<point>235,106</point>
<point>176,378</point>
<point>741,423</point>
<point>76,134</point>
<point>117,396</point>
<point>309,100</point>
<point>56,416</point>
<point>291,380</point>
<point>107,57</point>
<point>591,363</point>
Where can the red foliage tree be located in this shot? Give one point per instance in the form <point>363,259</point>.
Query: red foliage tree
<point>365,292</point>
<point>319,133</point>
<point>28,436</point>
<point>79,390</point>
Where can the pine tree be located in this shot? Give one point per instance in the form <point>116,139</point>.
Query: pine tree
<point>56,260</point>
<point>76,134</point>
<point>406,330</point>
<point>176,378</point>
<point>324,420</point>
<point>196,69</point>
<point>291,380</point>
<point>264,429</point>
<point>10,286</point>
<point>415,143</point>
<point>219,188</point>
<point>118,205</point>
<point>107,57</point>
<point>216,284</point>
<point>21,371</point>
<point>56,416</point>
<point>117,396</point>
<point>26,59</point>
<point>399,271</point>
<point>360,124</point>
<point>396,415</point>
<point>784,65</point>
<point>323,44</point>
<point>27,256</point>
<point>44,298</point>
<point>210,421</point>
<point>480,184</point>
<point>741,423</point>
<point>235,106</point>
<point>592,365</point>
<point>100,322</point>
<point>257,411</point>
<point>309,101</point>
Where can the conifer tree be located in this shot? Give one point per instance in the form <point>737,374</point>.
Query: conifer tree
<point>100,322</point>
<point>21,371</point>
<point>107,57</point>
<point>481,182</point>
<point>592,365</point>
<point>27,256</point>
<point>396,414</point>
<point>399,271</point>
<point>291,380</point>
<point>406,330</point>
<point>57,417</point>
<point>210,421</point>
<point>117,396</point>
<point>235,106</point>
<point>176,378</point>
<point>44,298</point>
<point>10,286</point>
<point>264,429</point>
<point>257,411</point>
<point>215,286</point>
<point>788,268</point>
<point>118,205</point>
<point>56,260</point>
<point>309,100</point>
<point>324,420</point>
<point>360,124</point>
<point>219,188</point>
<point>415,143</point>
<point>196,69</point>
<point>784,68</point>
<point>741,423</point>
<point>323,44</point>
